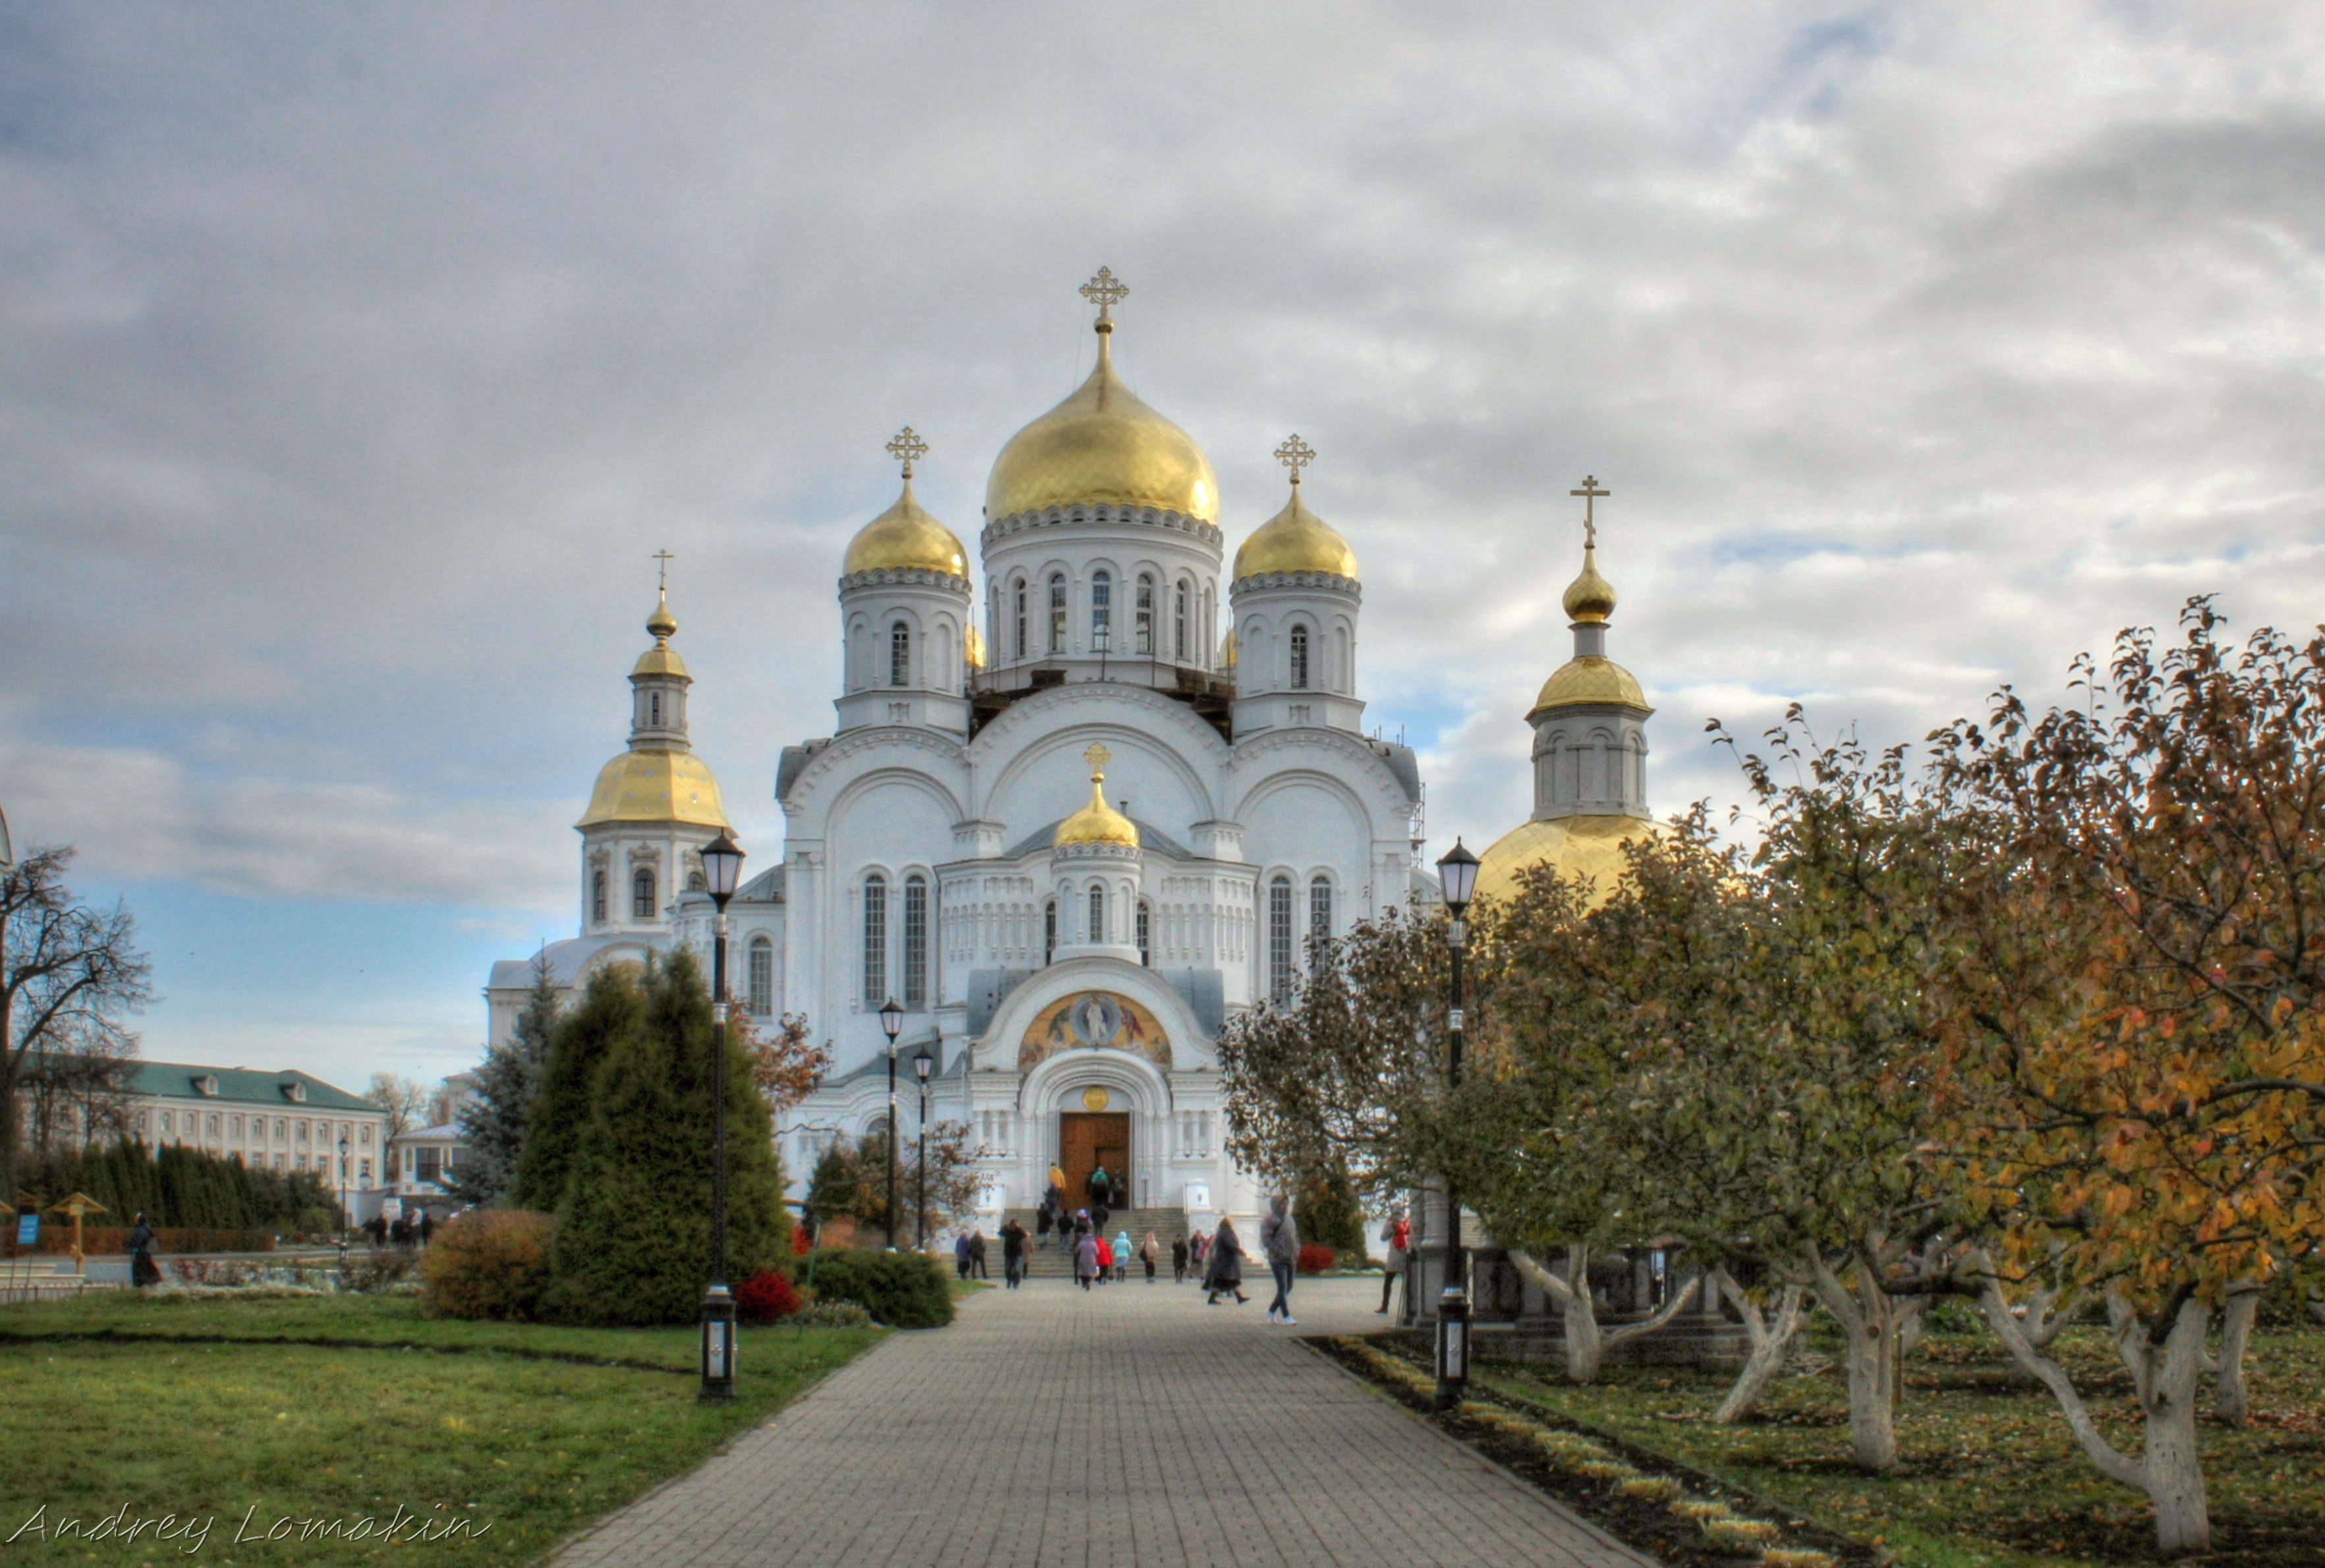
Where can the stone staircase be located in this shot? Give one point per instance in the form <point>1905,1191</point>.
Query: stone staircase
<point>1050,1262</point>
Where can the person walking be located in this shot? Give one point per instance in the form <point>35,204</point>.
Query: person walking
<point>1105,1258</point>
<point>1279,1243</point>
<point>1086,1247</point>
<point>1225,1273</point>
<point>1149,1251</point>
<point>1398,1234</point>
<point>1101,1188</point>
<point>976,1249</point>
<point>1179,1261</point>
<point>960,1256</point>
<point>1043,1217</point>
<point>1199,1252</point>
<point>1122,1255</point>
<point>143,1271</point>
<point>426,1228</point>
<point>1013,1254</point>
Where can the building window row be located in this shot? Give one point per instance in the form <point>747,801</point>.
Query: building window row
<point>912,985</point>
<point>1145,611</point>
<point>1283,954</point>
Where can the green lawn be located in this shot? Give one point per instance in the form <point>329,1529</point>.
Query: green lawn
<point>1991,1475</point>
<point>501,1426</point>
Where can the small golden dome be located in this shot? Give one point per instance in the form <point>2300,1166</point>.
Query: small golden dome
<point>661,625</point>
<point>1227,650</point>
<point>661,658</point>
<point>1580,847</point>
<point>973,647</point>
<point>656,785</point>
<point>1102,446</point>
<point>1589,597</point>
<point>1097,823</point>
<point>1587,679</point>
<point>1295,540</point>
<point>905,538</point>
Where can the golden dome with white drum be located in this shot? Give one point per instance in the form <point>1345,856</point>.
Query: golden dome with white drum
<point>906,537</point>
<point>1097,823</point>
<point>1295,540</point>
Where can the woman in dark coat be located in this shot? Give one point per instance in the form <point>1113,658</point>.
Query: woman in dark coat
<point>1226,1271</point>
<point>143,1271</point>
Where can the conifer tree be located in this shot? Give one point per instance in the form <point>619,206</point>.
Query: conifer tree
<point>493,1121</point>
<point>632,1239</point>
<point>610,1008</point>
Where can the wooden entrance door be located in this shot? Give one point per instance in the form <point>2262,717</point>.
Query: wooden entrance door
<point>1087,1140</point>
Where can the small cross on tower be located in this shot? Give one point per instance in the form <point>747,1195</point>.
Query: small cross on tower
<point>908,449</point>
<point>1097,756</point>
<point>1589,493</point>
<point>1106,291</point>
<point>663,559</point>
<point>1295,455</point>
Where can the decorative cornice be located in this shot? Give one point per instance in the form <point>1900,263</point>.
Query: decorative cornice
<point>891,577</point>
<point>1001,528</point>
<point>849,742</point>
<point>1128,852</point>
<point>1328,582</point>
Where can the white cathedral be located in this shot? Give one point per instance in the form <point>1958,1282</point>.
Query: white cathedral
<point>1073,845</point>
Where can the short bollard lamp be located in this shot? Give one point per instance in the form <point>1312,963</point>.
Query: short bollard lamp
<point>891,1024</point>
<point>1457,874</point>
<point>722,865</point>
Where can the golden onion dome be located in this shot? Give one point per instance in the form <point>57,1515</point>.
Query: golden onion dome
<point>656,785</point>
<point>1589,597</point>
<point>1295,540</point>
<point>1097,823</point>
<point>1102,446</point>
<point>905,537</point>
<point>1589,680</point>
<point>973,647</point>
<point>1580,848</point>
<point>662,659</point>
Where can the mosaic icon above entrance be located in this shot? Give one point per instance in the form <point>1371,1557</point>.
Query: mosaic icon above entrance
<point>1096,1098</point>
<point>1091,1020</point>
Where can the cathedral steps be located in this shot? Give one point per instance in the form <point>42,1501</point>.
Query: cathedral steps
<point>1051,1262</point>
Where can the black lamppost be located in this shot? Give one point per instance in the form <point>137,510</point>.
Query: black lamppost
<point>344,1216</point>
<point>891,1024</point>
<point>722,864</point>
<point>922,1065</point>
<point>1457,872</point>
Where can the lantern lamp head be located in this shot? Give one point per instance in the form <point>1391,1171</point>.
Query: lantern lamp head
<point>892,1019</point>
<point>722,866</point>
<point>1459,873</point>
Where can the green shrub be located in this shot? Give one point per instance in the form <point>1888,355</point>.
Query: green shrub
<point>830,1314</point>
<point>488,1263</point>
<point>901,1289</point>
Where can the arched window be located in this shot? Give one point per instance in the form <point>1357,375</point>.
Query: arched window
<point>1048,930</point>
<point>1280,964</point>
<point>1179,622</point>
<point>1020,617</point>
<point>1145,628</point>
<point>759,978</point>
<point>1096,912</point>
<point>876,941</point>
<point>916,942</point>
<point>1300,658</point>
<point>1320,921</point>
<point>597,896</point>
<point>643,902</point>
<point>1146,931</point>
<point>1102,612</point>
<point>695,882</point>
<point>654,708</point>
<point>900,655</point>
<point>1057,611</point>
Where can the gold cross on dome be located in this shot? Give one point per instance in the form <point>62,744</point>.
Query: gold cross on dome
<point>1295,455</point>
<point>1098,757</point>
<point>1589,493</point>
<point>908,449</point>
<point>663,559</point>
<point>1106,291</point>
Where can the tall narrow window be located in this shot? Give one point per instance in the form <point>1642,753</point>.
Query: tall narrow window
<point>1048,930</point>
<point>762,984</point>
<point>1280,968</point>
<point>1057,611</point>
<point>1098,913</point>
<point>1020,617</point>
<point>916,942</point>
<point>1179,622</point>
<point>654,708</point>
<point>642,901</point>
<point>1146,934</point>
<point>900,655</point>
<point>597,896</point>
<point>1145,628</point>
<point>1320,921</point>
<point>1300,658</point>
<point>876,940</point>
<point>1102,612</point>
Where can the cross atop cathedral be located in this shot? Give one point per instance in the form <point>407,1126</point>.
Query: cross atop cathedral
<point>1098,757</point>
<point>1106,291</point>
<point>663,559</point>
<point>1589,493</point>
<point>1295,455</point>
<point>908,449</point>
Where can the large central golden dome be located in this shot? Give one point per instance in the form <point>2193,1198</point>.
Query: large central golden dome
<point>1102,446</point>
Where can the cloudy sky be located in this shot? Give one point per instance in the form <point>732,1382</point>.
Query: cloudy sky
<point>354,359</point>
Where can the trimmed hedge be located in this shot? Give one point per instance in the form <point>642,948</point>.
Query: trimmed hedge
<point>101,1241</point>
<point>900,1289</point>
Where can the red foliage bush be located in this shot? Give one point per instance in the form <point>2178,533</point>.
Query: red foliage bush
<point>1315,1257</point>
<point>801,1245</point>
<point>766,1296</point>
<point>490,1263</point>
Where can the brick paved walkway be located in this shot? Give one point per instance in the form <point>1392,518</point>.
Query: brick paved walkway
<point>1132,1425</point>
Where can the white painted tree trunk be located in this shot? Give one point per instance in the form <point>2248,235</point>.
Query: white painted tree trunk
<point>1587,1343</point>
<point>1870,1318</point>
<point>1770,1335</point>
<point>2169,1469</point>
<point>2231,1402</point>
